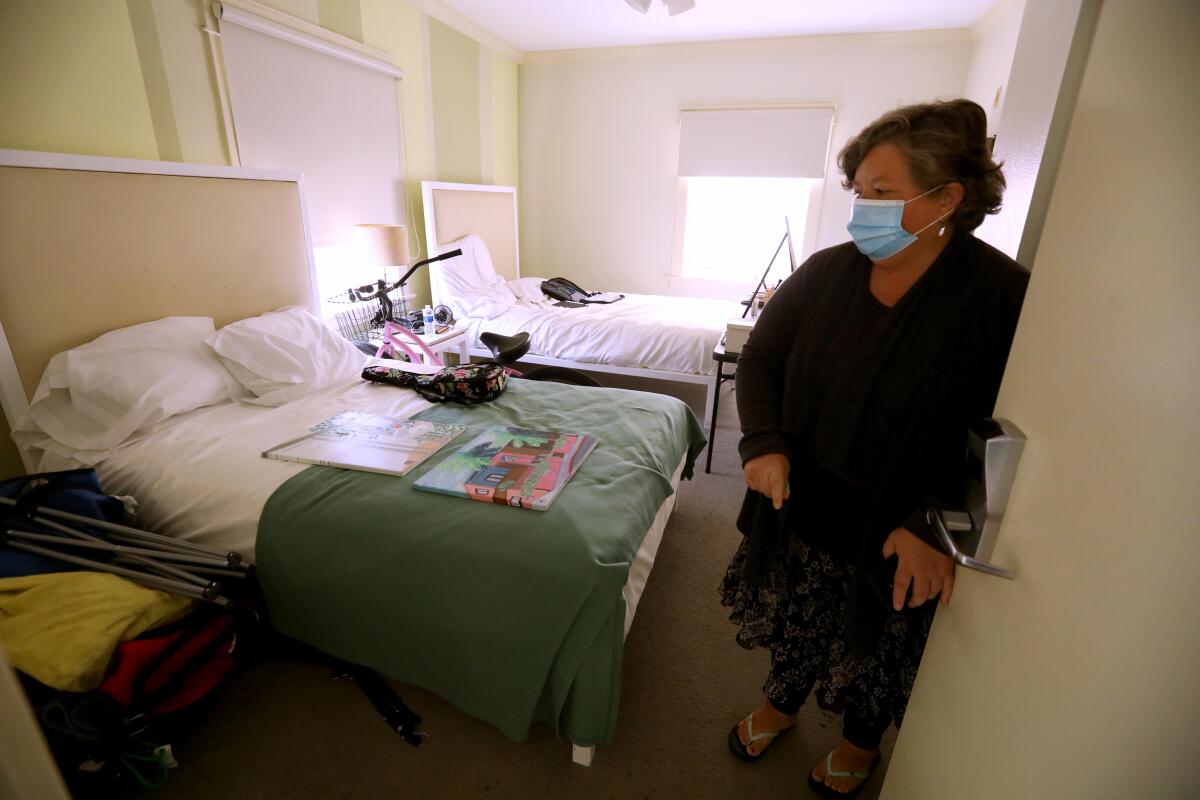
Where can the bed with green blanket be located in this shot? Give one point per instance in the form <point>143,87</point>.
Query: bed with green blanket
<point>515,616</point>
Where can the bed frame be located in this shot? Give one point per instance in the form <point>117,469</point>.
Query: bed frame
<point>453,210</point>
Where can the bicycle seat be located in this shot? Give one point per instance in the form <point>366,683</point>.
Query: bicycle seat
<point>506,349</point>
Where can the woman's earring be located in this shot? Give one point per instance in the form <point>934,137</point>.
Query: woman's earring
<point>941,231</point>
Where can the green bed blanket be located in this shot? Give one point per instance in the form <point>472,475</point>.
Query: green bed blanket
<point>515,616</point>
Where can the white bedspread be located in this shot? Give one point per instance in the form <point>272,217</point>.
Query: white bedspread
<point>673,334</point>
<point>202,477</point>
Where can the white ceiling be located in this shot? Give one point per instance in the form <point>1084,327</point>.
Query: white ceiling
<point>532,25</point>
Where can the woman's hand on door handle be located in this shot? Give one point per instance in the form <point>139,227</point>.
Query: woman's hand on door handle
<point>929,571</point>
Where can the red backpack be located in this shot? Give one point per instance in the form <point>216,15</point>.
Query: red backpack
<point>171,667</point>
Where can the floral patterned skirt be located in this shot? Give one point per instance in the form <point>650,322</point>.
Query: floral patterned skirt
<point>799,614</point>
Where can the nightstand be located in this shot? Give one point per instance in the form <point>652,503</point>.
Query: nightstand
<point>440,343</point>
<point>453,339</point>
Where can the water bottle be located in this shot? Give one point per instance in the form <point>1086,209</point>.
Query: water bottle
<point>428,321</point>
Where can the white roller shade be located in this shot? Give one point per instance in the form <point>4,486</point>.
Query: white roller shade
<point>754,143</point>
<point>305,104</point>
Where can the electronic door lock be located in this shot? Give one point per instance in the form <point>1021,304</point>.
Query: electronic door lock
<point>994,448</point>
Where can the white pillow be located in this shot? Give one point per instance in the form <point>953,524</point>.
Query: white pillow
<point>469,283</point>
<point>285,355</point>
<point>529,290</point>
<point>95,396</point>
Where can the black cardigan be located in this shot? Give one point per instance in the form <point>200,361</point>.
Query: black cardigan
<point>871,405</point>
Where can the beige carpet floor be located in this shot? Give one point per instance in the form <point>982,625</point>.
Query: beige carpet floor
<point>282,729</point>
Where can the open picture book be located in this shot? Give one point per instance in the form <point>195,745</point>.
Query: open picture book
<point>367,442</point>
<point>511,466</point>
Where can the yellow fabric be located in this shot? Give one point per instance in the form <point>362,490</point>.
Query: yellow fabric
<point>62,628</point>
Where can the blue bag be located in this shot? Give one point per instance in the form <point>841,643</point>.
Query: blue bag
<point>76,491</point>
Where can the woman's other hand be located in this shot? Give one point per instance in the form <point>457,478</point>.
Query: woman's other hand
<point>930,571</point>
<point>768,475</point>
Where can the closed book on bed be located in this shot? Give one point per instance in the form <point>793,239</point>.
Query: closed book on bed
<point>368,443</point>
<point>511,466</point>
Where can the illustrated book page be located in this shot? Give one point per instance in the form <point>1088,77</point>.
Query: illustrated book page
<point>511,466</point>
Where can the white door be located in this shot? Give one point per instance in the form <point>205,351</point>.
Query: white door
<point>1081,678</point>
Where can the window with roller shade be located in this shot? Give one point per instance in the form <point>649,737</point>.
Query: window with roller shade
<point>330,111</point>
<point>741,172</point>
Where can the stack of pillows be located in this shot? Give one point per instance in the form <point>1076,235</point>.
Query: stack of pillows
<point>94,397</point>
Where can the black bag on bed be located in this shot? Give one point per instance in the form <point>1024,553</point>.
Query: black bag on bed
<point>466,384</point>
<point>567,291</point>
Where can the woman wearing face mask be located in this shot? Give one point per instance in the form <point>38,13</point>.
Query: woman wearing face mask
<point>855,391</point>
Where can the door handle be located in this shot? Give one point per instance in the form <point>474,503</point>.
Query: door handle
<point>934,517</point>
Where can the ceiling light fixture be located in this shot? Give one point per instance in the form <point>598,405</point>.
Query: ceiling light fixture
<point>673,6</point>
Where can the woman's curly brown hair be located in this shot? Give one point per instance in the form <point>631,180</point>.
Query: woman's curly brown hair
<point>944,142</point>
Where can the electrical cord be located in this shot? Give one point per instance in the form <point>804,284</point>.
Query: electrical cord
<point>145,753</point>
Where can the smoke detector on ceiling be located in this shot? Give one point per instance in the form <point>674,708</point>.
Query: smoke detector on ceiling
<point>673,6</point>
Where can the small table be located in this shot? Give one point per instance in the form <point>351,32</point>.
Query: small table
<point>722,358</point>
<point>455,338</point>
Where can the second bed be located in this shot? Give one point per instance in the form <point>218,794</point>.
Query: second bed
<point>649,336</point>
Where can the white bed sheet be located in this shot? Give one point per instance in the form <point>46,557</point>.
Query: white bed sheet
<point>671,334</point>
<point>202,478</point>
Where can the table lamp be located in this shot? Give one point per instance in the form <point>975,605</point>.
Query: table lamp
<point>382,245</point>
<point>386,246</point>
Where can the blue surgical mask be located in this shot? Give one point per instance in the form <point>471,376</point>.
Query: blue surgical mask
<point>875,226</point>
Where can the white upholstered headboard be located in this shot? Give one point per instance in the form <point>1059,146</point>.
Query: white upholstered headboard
<point>93,244</point>
<point>453,210</point>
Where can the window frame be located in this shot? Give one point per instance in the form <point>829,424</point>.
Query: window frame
<point>716,287</point>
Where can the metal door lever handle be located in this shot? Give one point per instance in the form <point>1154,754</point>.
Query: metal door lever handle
<point>934,517</point>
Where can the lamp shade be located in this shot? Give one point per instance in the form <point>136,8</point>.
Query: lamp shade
<point>382,245</point>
